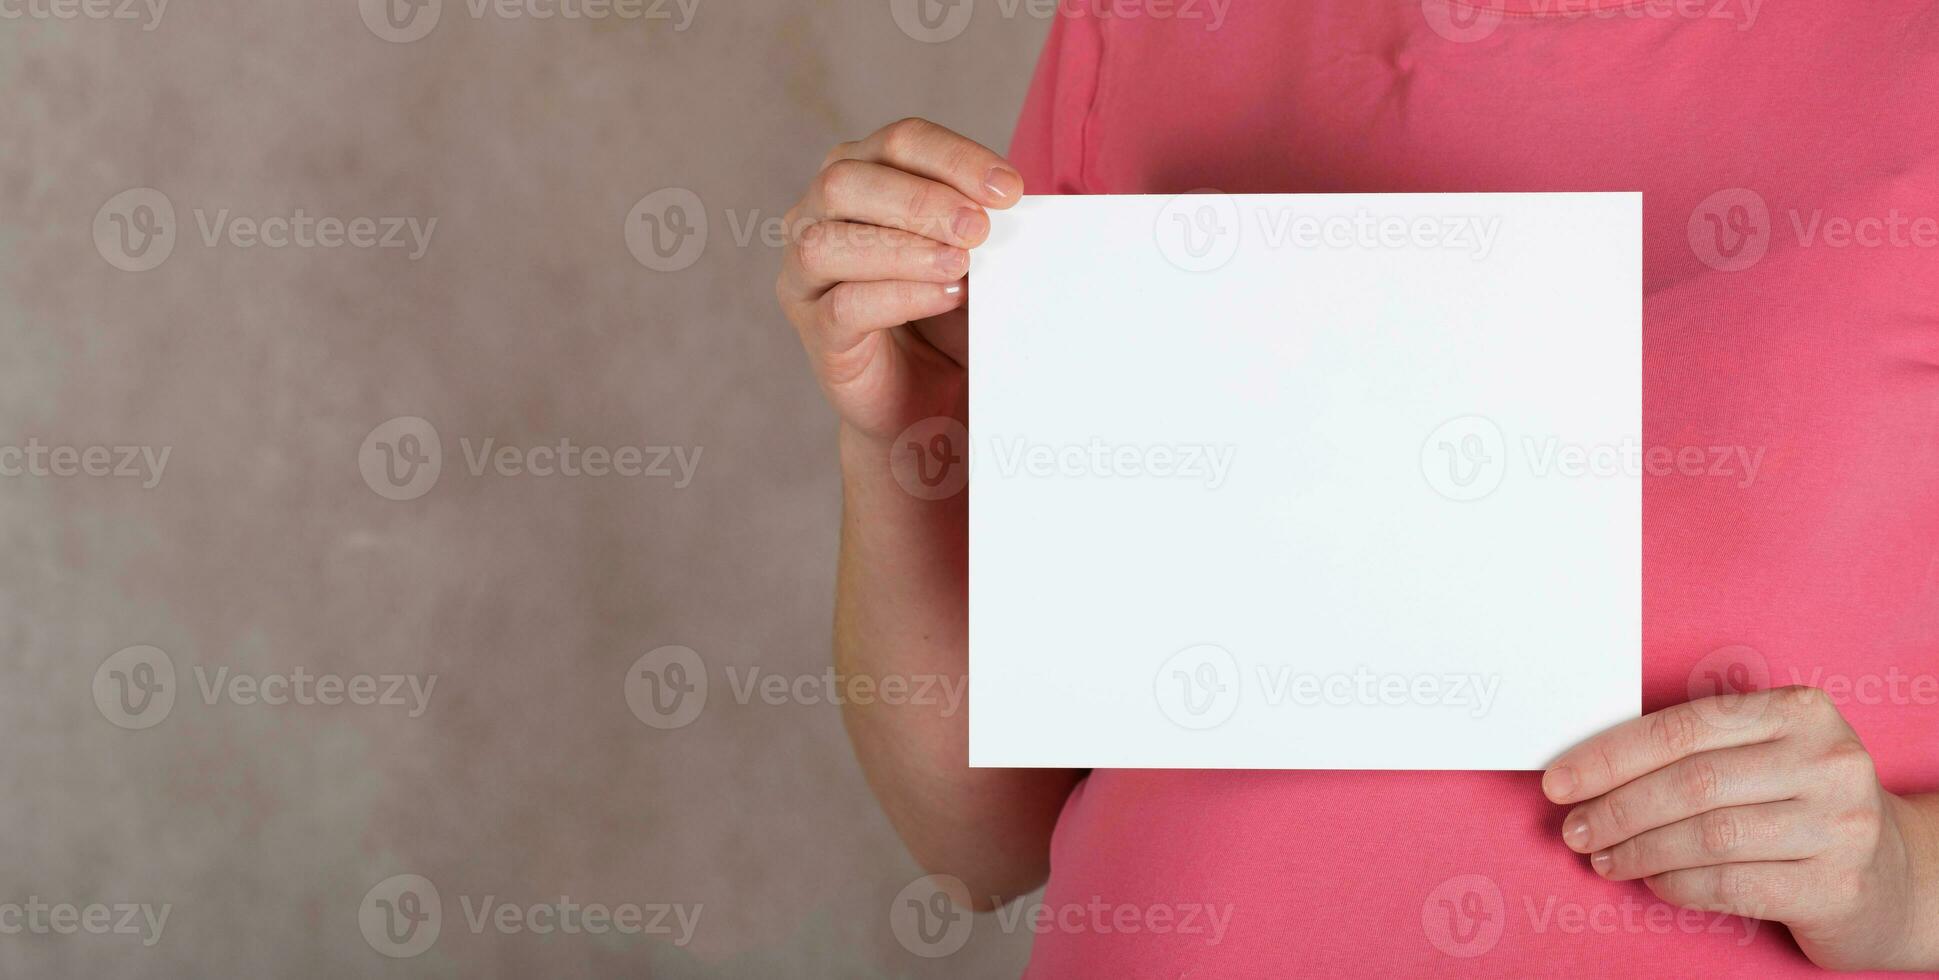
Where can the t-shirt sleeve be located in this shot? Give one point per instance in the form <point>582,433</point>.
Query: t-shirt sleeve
<point>1049,145</point>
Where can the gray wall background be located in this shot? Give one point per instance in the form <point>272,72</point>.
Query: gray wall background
<point>263,551</point>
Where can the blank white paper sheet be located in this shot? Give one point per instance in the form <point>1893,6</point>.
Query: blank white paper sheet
<point>1305,481</point>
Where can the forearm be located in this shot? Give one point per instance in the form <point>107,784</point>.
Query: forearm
<point>902,612</point>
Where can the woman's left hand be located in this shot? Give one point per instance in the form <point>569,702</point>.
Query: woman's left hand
<point>1764,805</point>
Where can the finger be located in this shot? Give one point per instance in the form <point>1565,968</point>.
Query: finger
<point>848,313</point>
<point>948,333</point>
<point>1685,788</point>
<point>1775,890</point>
<point>872,194</point>
<point>1779,831</point>
<point>829,252</point>
<point>940,154</point>
<point>1655,740</point>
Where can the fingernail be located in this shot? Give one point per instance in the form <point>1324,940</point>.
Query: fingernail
<point>1576,832</point>
<point>1600,860</point>
<point>1003,184</point>
<point>970,225</point>
<point>952,262</point>
<point>1558,783</point>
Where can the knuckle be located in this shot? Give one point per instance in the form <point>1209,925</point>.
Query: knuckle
<point>919,202</point>
<point>1741,888</point>
<point>841,151</point>
<point>815,254</point>
<point>841,308</point>
<point>1860,826</point>
<point>1719,834</point>
<point>904,136</point>
<point>1700,781</point>
<point>1605,763</point>
<point>1617,815</point>
<point>1849,761</point>
<point>1675,730</point>
<point>840,184</point>
<point>1806,703</point>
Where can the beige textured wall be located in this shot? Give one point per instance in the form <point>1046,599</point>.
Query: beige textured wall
<point>262,550</point>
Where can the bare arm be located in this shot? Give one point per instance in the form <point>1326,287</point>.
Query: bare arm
<point>874,283</point>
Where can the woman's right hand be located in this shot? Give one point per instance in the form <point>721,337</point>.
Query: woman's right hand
<point>875,274</point>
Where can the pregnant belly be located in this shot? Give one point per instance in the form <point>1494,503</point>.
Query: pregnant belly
<point>1273,874</point>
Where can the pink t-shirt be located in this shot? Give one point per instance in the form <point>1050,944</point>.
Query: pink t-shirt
<point>1788,155</point>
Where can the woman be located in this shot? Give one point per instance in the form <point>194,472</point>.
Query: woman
<point>1791,199</point>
